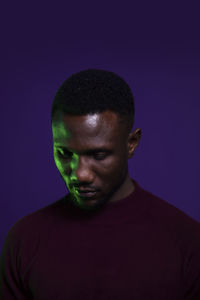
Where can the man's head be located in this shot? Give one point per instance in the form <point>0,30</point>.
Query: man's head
<point>92,118</point>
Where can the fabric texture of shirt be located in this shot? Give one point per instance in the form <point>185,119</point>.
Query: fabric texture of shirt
<point>140,247</point>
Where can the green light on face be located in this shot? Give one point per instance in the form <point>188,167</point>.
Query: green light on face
<point>60,137</point>
<point>74,166</point>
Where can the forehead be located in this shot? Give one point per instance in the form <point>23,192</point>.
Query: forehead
<point>92,128</point>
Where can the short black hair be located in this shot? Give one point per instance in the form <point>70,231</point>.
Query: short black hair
<point>95,91</point>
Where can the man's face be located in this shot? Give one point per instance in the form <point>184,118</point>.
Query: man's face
<point>91,153</point>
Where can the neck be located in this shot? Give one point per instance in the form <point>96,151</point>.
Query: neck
<point>126,189</point>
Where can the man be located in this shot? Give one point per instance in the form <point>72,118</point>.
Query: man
<point>107,238</point>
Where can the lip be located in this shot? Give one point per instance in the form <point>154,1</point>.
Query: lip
<point>86,194</point>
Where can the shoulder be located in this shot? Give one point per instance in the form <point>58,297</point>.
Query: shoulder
<point>29,227</point>
<point>184,229</point>
<point>27,235</point>
<point>167,213</point>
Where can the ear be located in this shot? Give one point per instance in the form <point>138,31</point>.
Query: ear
<point>133,141</point>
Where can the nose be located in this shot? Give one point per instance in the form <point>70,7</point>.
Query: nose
<point>82,171</point>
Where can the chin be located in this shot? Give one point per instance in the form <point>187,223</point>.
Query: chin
<point>89,205</point>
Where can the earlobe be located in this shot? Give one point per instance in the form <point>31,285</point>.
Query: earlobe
<point>131,152</point>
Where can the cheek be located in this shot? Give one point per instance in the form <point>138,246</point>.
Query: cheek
<point>63,167</point>
<point>110,168</point>
<point>58,163</point>
<point>119,167</point>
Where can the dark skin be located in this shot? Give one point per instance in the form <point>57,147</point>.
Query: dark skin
<point>92,151</point>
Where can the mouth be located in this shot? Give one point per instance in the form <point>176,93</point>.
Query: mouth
<point>85,194</point>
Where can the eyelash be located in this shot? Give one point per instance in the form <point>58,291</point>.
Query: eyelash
<point>68,154</point>
<point>99,156</point>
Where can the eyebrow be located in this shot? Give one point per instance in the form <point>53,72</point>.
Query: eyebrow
<point>89,151</point>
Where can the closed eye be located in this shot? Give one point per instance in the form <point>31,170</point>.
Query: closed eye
<point>64,153</point>
<point>100,155</point>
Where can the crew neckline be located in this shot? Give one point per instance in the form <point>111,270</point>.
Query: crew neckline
<point>118,211</point>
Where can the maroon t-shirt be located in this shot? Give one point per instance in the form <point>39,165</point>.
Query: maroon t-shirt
<point>140,247</point>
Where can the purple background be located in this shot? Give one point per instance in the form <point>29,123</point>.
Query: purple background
<point>154,46</point>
